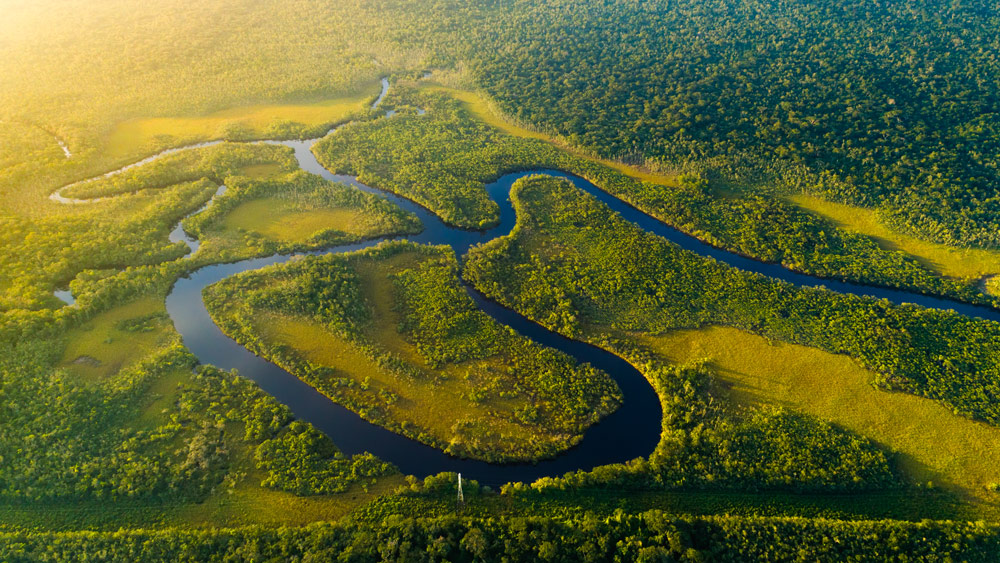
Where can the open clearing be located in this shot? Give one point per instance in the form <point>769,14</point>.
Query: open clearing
<point>100,347</point>
<point>944,259</point>
<point>934,444</point>
<point>282,220</point>
<point>244,122</point>
<point>262,171</point>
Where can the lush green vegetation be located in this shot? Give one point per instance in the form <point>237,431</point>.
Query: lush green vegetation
<point>124,62</point>
<point>947,260</point>
<point>930,443</point>
<point>215,162</point>
<point>442,160</point>
<point>576,267</point>
<point>51,249</point>
<point>877,104</point>
<point>65,439</point>
<point>649,536</point>
<point>740,123</point>
<point>131,230</point>
<point>98,402</point>
<point>704,445</point>
<point>391,334</point>
<point>296,211</point>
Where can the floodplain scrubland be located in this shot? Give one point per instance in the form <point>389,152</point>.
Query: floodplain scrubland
<point>443,158</point>
<point>888,106</point>
<point>100,404</point>
<point>239,124</point>
<point>574,266</point>
<point>159,441</point>
<point>295,211</point>
<point>390,334</point>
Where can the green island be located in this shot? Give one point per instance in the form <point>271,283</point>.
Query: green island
<point>392,335</point>
<point>191,191</point>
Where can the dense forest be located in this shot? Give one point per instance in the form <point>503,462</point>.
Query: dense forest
<point>442,159</point>
<point>647,537</point>
<point>879,104</point>
<point>573,265</point>
<point>795,419</point>
<point>65,440</point>
<point>588,264</point>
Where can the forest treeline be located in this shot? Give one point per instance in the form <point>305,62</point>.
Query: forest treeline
<point>879,104</point>
<point>646,537</point>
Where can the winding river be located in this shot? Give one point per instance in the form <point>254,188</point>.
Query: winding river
<point>631,431</point>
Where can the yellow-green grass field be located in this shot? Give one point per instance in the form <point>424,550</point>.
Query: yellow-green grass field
<point>933,444</point>
<point>245,122</point>
<point>437,402</point>
<point>262,171</point>
<point>285,221</point>
<point>98,349</point>
<point>478,106</point>
<point>435,408</point>
<point>944,259</point>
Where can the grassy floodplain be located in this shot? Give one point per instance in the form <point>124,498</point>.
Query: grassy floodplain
<point>151,442</point>
<point>390,334</point>
<point>133,425</point>
<point>100,348</point>
<point>282,221</point>
<point>932,443</point>
<point>559,227</point>
<point>253,122</point>
<point>947,260</point>
<point>293,211</point>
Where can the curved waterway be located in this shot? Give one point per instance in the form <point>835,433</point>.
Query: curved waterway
<point>631,431</point>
